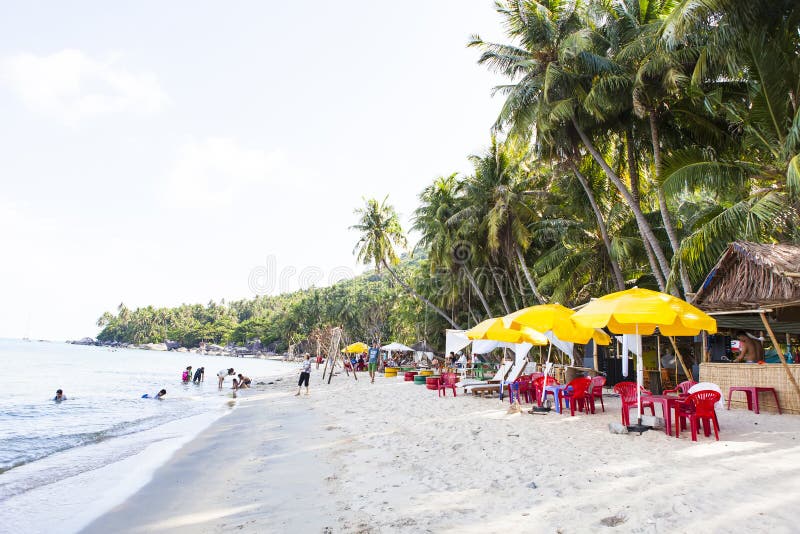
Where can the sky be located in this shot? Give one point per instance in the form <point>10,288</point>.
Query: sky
<point>159,153</point>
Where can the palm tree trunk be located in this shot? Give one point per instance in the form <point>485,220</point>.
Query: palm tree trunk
<point>502,292</point>
<point>644,226</point>
<point>601,224</point>
<point>474,317</point>
<point>521,287</point>
<point>633,171</point>
<point>662,202</point>
<point>633,166</point>
<point>534,289</point>
<point>478,291</point>
<point>654,265</point>
<point>420,297</point>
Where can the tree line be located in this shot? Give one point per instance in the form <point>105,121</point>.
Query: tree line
<point>636,139</point>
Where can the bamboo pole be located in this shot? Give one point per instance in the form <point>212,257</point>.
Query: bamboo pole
<point>706,356</point>
<point>594,355</point>
<point>780,353</point>
<point>686,371</point>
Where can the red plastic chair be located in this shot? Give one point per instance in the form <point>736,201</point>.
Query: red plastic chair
<point>627,394</point>
<point>448,380</point>
<point>578,392</point>
<point>526,389</point>
<point>699,408</point>
<point>597,391</point>
<point>539,384</point>
<point>682,388</point>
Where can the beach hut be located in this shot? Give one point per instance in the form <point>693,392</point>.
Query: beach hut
<point>421,348</point>
<point>395,347</point>
<point>755,287</point>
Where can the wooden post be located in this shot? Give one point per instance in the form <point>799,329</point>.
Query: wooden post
<point>686,371</point>
<point>706,356</point>
<point>658,353</point>
<point>594,355</point>
<point>780,352</point>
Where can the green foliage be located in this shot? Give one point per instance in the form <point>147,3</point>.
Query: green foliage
<point>370,306</point>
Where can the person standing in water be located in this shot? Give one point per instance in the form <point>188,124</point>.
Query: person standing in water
<point>59,396</point>
<point>187,374</point>
<point>374,352</point>
<point>222,374</point>
<point>199,375</point>
<point>305,375</point>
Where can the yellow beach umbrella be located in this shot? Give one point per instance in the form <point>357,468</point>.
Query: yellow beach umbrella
<point>641,311</point>
<point>494,329</point>
<point>356,348</point>
<point>558,319</point>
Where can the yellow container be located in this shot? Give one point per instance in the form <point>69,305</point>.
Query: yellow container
<point>390,375</point>
<point>426,373</point>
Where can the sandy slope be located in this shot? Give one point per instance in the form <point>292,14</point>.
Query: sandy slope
<point>392,457</point>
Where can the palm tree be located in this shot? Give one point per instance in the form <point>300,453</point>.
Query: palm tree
<point>496,210</point>
<point>380,233</point>
<point>447,252</point>
<point>553,70</point>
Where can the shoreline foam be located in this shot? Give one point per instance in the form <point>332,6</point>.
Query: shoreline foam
<point>76,500</point>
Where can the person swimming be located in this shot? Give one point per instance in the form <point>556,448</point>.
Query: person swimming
<point>59,396</point>
<point>157,396</point>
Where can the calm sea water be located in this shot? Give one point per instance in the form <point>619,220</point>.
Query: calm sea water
<point>104,419</point>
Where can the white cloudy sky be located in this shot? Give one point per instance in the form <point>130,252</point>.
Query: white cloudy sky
<point>164,152</point>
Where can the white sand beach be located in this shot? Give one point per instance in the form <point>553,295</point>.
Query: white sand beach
<point>356,457</point>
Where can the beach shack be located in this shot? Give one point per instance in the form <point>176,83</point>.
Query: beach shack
<point>755,288</point>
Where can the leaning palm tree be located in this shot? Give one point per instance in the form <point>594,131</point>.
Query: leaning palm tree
<point>380,233</point>
<point>553,62</point>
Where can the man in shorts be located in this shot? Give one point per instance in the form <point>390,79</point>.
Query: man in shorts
<point>305,375</point>
<point>374,352</point>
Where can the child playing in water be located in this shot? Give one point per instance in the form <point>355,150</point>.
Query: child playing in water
<point>157,396</point>
<point>244,381</point>
<point>59,396</point>
<point>199,375</point>
<point>222,374</point>
<point>187,374</point>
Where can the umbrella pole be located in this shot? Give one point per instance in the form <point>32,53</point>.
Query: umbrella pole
<point>544,382</point>
<point>543,408</point>
<point>639,427</point>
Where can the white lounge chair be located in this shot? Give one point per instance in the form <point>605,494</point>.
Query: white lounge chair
<point>498,377</point>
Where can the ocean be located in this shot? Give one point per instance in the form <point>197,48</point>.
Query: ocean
<point>63,464</point>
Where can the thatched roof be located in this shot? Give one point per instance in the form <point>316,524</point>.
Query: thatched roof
<point>751,275</point>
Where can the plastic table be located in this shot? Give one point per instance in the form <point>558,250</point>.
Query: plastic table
<point>752,396</point>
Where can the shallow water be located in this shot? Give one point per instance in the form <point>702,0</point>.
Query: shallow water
<point>104,419</point>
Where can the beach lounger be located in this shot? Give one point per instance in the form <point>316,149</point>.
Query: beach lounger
<point>499,376</point>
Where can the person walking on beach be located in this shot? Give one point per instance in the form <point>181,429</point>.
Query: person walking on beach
<point>199,375</point>
<point>187,374</point>
<point>222,374</point>
<point>305,375</point>
<point>59,396</point>
<point>374,352</point>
